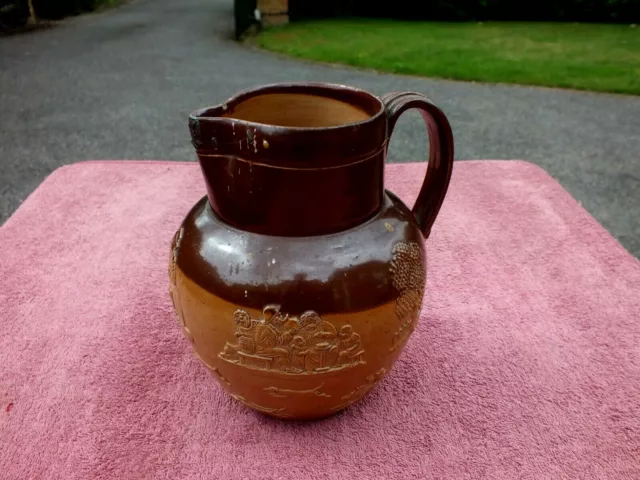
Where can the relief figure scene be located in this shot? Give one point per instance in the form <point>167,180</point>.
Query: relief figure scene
<point>297,345</point>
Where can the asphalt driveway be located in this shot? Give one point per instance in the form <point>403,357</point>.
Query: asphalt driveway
<point>120,85</point>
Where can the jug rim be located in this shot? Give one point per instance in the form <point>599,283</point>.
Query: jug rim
<point>304,88</point>
<point>215,131</point>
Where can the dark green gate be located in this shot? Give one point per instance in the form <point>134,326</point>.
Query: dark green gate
<point>245,15</point>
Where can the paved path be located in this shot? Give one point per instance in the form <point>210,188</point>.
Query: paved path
<point>120,84</point>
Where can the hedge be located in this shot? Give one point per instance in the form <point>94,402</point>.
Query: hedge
<point>604,11</point>
<point>62,8</point>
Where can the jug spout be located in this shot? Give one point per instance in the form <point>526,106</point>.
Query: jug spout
<point>293,159</point>
<point>216,127</point>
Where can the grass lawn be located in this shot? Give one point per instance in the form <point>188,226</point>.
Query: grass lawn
<point>582,56</point>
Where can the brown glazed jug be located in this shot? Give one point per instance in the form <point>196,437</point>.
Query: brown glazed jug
<point>298,278</point>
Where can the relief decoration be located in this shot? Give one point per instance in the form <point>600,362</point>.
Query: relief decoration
<point>305,346</point>
<point>408,278</point>
<point>360,391</point>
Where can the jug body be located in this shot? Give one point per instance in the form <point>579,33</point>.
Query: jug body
<point>298,278</point>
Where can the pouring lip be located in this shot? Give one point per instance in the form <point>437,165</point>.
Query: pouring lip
<point>310,88</point>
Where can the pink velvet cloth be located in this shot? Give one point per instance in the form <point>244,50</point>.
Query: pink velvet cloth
<point>525,363</point>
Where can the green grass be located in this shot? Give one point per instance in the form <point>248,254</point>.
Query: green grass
<point>582,56</point>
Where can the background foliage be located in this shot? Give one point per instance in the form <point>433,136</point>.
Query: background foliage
<point>606,11</point>
<point>54,9</point>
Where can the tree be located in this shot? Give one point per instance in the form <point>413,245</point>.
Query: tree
<point>32,13</point>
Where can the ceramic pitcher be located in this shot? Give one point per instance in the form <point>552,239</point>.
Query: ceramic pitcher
<point>298,278</point>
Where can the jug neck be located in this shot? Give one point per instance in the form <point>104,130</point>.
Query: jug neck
<point>269,200</point>
<point>283,179</point>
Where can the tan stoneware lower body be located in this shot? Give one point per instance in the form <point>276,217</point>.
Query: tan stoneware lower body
<point>289,384</point>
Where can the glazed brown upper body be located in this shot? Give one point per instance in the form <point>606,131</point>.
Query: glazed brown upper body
<point>343,272</point>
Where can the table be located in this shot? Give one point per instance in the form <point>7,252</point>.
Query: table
<point>525,363</point>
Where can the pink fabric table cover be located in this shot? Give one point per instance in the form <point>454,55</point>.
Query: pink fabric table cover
<point>525,363</point>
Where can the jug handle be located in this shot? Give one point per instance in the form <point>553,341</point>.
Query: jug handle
<point>436,181</point>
